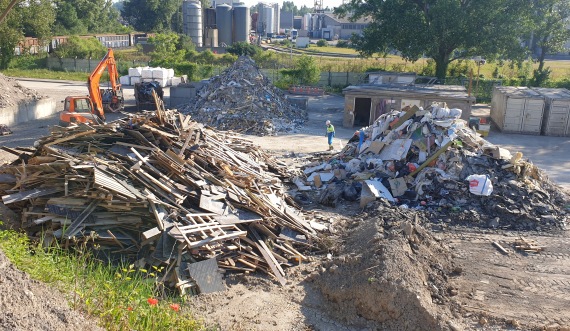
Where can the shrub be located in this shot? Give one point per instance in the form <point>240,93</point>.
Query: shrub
<point>243,48</point>
<point>343,44</point>
<point>322,43</point>
<point>80,48</point>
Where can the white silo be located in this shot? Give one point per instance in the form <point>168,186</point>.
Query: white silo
<point>306,22</point>
<point>242,23</point>
<point>225,24</point>
<point>192,21</point>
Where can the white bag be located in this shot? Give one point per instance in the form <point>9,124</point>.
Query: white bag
<point>480,185</point>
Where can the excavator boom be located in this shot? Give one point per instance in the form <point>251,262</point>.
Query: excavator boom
<point>114,97</point>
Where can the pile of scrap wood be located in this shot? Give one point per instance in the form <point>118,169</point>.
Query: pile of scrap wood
<point>164,191</point>
<point>242,99</point>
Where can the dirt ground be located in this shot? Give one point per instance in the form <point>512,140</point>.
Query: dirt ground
<point>384,268</point>
<point>26,304</point>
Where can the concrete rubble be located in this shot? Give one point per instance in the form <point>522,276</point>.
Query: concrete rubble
<point>13,93</point>
<point>242,99</point>
<point>430,160</point>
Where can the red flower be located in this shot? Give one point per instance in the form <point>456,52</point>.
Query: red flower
<point>130,308</point>
<point>152,301</point>
<point>175,306</point>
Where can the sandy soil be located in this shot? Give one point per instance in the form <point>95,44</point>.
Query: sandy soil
<point>26,304</point>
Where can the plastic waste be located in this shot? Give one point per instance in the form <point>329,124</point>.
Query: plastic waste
<point>480,185</point>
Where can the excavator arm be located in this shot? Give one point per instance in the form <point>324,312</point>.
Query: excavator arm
<point>114,96</point>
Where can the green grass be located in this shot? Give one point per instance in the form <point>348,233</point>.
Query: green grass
<point>118,297</point>
<point>330,49</point>
<point>46,74</point>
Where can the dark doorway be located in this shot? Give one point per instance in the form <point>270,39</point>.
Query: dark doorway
<point>362,111</point>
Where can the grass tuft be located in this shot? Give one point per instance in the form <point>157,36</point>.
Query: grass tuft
<point>120,297</point>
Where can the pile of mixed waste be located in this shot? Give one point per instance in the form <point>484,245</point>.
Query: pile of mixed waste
<point>429,159</point>
<point>242,99</point>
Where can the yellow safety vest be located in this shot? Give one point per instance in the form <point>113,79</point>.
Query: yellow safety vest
<point>330,128</point>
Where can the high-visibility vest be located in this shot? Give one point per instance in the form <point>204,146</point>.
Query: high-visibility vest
<point>330,128</point>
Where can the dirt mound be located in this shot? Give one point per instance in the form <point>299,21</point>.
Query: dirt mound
<point>242,99</point>
<point>26,304</point>
<point>391,272</point>
<point>13,93</point>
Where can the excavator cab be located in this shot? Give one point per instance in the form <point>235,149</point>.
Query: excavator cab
<point>92,108</point>
<point>78,110</point>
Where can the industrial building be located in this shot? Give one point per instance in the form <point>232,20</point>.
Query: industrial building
<point>329,26</point>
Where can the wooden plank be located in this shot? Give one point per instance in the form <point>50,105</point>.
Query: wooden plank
<point>269,258</point>
<point>75,225</point>
<point>30,194</point>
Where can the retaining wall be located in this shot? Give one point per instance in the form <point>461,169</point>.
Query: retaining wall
<point>27,111</point>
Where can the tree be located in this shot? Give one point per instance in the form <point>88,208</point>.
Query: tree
<point>306,71</point>
<point>550,32</point>
<point>444,30</point>
<point>31,19</point>
<point>86,16</point>
<point>151,15</point>
<point>166,49</point>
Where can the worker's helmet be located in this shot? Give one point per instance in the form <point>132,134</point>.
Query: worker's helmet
<point>328,122</point>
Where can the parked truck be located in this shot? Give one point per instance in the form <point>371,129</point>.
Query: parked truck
<point>92,108</point>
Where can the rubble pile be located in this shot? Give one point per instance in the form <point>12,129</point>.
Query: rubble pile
<point>164,191</point>
<point>431,160</point>
<point>392,274</point>
<point>13,93</point>
<point>243,100</point>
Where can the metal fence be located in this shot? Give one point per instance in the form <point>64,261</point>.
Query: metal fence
<point>84,65</point>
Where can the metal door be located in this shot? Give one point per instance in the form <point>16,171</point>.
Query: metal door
<point>514,112</point>
<point>558,118</point>
<point>532,119</point>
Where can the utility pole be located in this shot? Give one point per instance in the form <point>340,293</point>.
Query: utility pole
<point>5,13</point>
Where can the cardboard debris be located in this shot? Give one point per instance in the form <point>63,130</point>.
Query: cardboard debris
<point>243,100</point>
<point>163,190</point>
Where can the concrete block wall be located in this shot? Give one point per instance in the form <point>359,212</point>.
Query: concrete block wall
<point>27,111</point>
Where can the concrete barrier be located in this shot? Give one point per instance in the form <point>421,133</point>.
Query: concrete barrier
<point>27,111</point>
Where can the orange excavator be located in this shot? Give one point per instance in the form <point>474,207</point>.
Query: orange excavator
<point>92,108</point>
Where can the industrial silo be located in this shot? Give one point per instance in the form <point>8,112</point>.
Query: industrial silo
<point>241,23</point>
<point>306,22</point>
<point>209,18</point>
<point>192,20</point>
<point>225,24</point>
<point>268,21</point>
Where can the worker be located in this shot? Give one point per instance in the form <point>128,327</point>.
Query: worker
<point>330,134</point>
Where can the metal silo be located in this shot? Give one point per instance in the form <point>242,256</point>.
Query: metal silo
<point>209,18</point>
<point>268,20</point>
<point>241,23</point>
<point>192,20</point>
<point>225,24</point>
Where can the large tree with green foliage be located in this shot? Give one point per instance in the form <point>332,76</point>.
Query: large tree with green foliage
<point>26,19</point>
<point>550,32</point>
<point>86,16</point>
<point>151,15</point>
<point>444,30</point>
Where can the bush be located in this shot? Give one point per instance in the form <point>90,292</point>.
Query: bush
<point>306,71</point>
<point>227,59</point>
<point>322,43</point>
<point>28,62</point>
<point>80,48</point>
<point>186,68</point>
<point>205,57</point>
<point>343,44</point>
<point>243,48</point>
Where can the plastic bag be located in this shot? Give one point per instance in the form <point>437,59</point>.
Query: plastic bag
<point>480,185</point>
